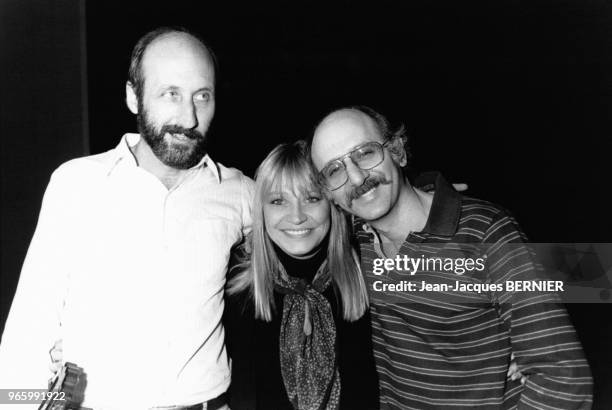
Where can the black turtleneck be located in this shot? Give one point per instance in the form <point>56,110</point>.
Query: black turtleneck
<point>304,267</point>
<point>254,347</point>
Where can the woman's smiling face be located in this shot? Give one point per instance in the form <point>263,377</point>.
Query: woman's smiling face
<point>296,220</point>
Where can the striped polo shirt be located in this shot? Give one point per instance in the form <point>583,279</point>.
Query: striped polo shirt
<point>436,352</point>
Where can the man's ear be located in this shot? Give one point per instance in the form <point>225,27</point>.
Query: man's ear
<point>397,148</point>
<point>130,98</point>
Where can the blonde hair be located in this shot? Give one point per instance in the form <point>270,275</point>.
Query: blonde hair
<point>288,166</point>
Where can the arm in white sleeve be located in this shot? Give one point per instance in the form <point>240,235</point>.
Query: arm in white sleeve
<point>33,323</point>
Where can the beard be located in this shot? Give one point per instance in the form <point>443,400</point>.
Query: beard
<point>175,155</point>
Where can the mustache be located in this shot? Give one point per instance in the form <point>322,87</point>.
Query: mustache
<point>177,129</point>
<point>371,182</point>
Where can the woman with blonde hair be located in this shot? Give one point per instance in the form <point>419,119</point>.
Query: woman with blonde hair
<point>296,316</point>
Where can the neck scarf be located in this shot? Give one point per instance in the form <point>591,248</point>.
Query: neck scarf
<point>308,342</point>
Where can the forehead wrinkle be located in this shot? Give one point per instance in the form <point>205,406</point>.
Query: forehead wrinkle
<point>175,48</point>
<point>351,116</point>
<point>357,123</point>
<point>177,43</point>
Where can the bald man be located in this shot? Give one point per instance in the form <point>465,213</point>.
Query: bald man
<point>127,265</point>
<point>441,349</point>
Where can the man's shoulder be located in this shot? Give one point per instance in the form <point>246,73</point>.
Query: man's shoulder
<point>233,176</point>
<point>476,205</point>
<point>84,167</point>
<point>487,218</point>
<point>230,172</point>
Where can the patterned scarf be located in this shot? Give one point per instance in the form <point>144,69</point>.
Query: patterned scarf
<point>308,343</point>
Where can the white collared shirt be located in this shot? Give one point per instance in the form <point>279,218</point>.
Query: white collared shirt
<point>130,275</point>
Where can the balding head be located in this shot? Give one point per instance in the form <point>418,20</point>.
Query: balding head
<point>350,118</point>
<point>165,36</point>
<point>339,132</point>
<point>172,91</point>
<point>359,161</point>
<point>358,120</point>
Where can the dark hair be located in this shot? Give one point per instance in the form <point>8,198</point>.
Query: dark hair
<point>135,75</point>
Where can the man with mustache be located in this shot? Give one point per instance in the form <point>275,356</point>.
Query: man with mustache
<point>433,351</point>
<point>127,265</point>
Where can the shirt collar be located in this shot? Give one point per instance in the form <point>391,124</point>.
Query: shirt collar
<point>443,219</point>
<point>123,154</point>
<point>445,209</point>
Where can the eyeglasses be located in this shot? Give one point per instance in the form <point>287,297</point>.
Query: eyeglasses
<point>365,156</point>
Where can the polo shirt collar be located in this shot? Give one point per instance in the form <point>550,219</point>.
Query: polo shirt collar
<point>445,212</point>
<point>445,209</point>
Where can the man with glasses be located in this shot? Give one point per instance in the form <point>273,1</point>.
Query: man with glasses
<point>432,351</point>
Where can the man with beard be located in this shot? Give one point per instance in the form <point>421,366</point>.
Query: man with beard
<point>127,265</point>
<point>435,350</point>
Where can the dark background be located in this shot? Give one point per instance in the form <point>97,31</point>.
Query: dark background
<point>512,97</point>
